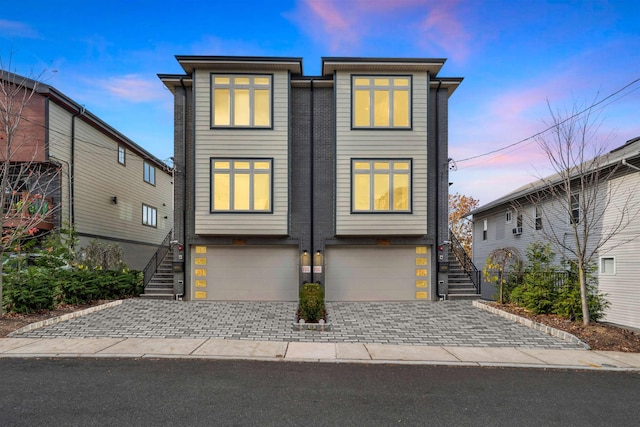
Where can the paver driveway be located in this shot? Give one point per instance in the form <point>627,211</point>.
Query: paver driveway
<point>446,323</point>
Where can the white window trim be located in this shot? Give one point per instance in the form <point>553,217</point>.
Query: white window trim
<point>149,216</point>
<point>150,176</point>
<point>600,264</point>
<point>122,154</point>
<point>508,217</point>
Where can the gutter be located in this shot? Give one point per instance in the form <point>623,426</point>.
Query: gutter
<point>624,162</point>
<point>437,201</point>
<point>311,181</point>
<point>80,112</point>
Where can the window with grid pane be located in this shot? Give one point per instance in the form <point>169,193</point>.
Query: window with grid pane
<point>382,102</point>
<point>241,101</point>
<point>149,216</point>
<point>381,185</point>
<point>241,185</point>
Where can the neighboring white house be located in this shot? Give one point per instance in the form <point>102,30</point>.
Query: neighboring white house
<point>513,221</point>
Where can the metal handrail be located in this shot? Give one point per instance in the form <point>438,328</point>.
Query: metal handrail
<point>155,261</point>
<point>465,261</point>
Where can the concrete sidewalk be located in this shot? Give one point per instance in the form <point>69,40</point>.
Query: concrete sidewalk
<point>317,352</point>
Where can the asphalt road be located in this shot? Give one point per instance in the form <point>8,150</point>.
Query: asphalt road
<point>177,392</point>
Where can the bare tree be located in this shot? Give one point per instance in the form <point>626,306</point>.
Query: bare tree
<point>584,204</point>
<point>27,179</point>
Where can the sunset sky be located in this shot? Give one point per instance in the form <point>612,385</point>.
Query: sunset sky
<point>514,56</point>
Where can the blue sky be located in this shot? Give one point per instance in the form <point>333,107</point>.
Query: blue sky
<point>514,57</point>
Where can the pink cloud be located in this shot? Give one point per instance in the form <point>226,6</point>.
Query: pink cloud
<point>133,88</point>
<point>443,27</point>
<point>343,25</point>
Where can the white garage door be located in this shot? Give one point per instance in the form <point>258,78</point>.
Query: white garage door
<point>376,273</point>
<point>245,273</point>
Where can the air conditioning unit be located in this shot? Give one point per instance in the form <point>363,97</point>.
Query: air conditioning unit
<point>517,231</point>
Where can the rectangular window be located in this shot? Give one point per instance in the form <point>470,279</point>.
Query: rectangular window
<point>381,185</point>
<point>149,173</point>
<point>538,218</point>
<point>241,100</point>
<point>508,217</point>
<point>381,102</point>
<point>241,185</point>
<point>149,216</point>
<point>485,228</point>
<point>121,154</point>
<point>608,266</point>
<point>575,209</point>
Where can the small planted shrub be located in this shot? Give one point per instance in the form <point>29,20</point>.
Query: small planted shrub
<point>311,308</point>
<point>30,291</point>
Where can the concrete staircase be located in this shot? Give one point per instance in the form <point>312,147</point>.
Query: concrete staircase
<point>460,285</point>
<point>161,284</point>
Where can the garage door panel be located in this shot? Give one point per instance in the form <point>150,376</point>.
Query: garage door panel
<point>250,274</point>
<point>371,274</point>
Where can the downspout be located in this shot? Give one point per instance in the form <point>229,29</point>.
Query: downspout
<point>81,111</point>
<point>312,177</point>
<point>437,166</point>
<point>184,182</point>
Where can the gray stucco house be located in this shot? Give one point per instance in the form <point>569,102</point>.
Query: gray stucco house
<point>513,221</point>
<point>283,178</point>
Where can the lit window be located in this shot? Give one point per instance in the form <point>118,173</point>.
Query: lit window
<point>149,173</point>
<point>121,154</point>
<point>149,216</point>
<point>241,101</point>
<point>608,266</point>
<point>381,102</point>
<point>381,185</point>
<point>241,185</point>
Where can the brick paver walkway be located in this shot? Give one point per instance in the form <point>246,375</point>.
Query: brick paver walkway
<point>447,323</point>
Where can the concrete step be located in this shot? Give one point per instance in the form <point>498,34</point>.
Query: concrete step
<point>463,296</point>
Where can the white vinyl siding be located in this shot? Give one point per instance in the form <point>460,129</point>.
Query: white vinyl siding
<point>381,144</point>
<point>623,288</point>
<point>241,143</point>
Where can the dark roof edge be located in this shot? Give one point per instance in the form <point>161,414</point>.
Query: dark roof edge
<point>361,59</point>
<point>69,104</point>
<point>238,58</point>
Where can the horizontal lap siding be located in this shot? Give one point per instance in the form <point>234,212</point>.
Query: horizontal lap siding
<point>99,177</point>
<point>623,288</point>
<point>60,151</point>
<point>247,143</point>
<point>385,144</point>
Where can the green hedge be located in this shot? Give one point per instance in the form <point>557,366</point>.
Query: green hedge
<point>36,288</point>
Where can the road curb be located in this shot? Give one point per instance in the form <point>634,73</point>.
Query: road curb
<point>532,324</point>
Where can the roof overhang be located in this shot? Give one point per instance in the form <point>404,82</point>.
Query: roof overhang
<point>240,63</point>
<point>382,65</point>
<point>448,83</point>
